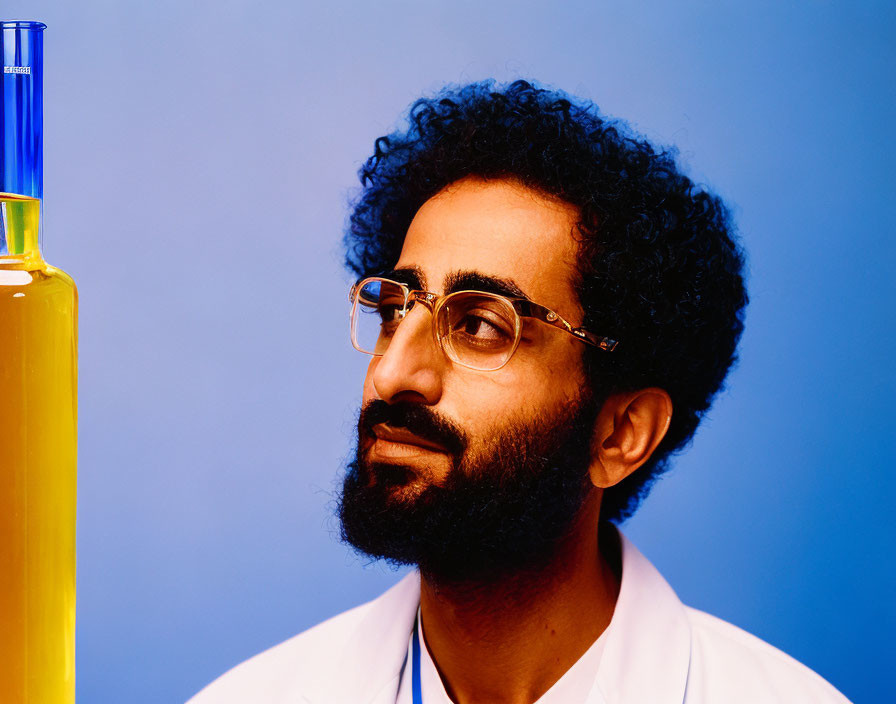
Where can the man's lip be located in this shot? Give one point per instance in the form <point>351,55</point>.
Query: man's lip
<point>404,437</point>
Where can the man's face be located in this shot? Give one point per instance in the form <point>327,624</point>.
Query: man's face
<point>435,434</point>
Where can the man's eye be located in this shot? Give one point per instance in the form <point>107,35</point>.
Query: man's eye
<point>481,330</point>
<point>390,316</point>
<point>390,313</point>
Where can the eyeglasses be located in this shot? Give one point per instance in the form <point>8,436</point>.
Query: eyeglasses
<point>474,329</point>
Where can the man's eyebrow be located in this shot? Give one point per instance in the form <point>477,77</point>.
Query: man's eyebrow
<point>411,276</point>
<point>466,280</point>
<point>477,281</point>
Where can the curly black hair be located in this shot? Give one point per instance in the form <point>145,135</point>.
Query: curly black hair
<point>658,267</point>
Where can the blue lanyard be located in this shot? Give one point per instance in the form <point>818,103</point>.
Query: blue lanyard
<point>416,688</point>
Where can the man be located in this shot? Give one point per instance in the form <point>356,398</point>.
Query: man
<point>550,306</point>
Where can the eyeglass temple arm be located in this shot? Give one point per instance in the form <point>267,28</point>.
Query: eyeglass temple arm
<point>533,310</point>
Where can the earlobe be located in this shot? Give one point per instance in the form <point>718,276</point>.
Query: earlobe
<point>628,429</point>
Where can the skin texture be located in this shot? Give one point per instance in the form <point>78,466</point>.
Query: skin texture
<point>509,642</point>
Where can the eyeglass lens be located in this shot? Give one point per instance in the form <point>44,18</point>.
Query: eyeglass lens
<point>477,330</point>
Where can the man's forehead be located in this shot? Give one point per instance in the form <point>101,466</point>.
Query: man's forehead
<point>491,235</point>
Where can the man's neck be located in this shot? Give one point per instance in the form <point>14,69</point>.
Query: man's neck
<point>510,641</point>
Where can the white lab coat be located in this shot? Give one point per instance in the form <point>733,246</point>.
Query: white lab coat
<point>657,651</point>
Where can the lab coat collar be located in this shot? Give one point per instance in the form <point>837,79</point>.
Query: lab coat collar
<point>648,647</point>
<point>645,659</point>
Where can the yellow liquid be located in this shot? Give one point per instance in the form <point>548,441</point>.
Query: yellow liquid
<point>38,432</point>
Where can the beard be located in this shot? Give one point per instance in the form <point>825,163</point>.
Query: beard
<point>501,511</point>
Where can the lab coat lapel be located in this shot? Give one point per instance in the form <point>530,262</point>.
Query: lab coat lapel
<point>367,670</point>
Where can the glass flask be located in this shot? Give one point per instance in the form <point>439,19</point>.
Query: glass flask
<point>38,404</point>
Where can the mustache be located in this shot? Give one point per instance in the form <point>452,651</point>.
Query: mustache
<point>418,419</point>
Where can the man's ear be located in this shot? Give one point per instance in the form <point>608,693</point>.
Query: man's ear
<point>628,428</point>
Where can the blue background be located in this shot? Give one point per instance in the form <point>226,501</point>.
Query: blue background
<point>198,162</point>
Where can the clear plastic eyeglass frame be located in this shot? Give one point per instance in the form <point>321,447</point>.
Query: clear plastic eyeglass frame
<point>437,305</point>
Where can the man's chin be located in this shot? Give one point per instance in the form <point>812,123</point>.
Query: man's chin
<point>400,484</point>
<point>374,507</point>
<point>392,475</point>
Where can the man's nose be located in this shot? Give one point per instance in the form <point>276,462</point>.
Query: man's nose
<point>411,369</point>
